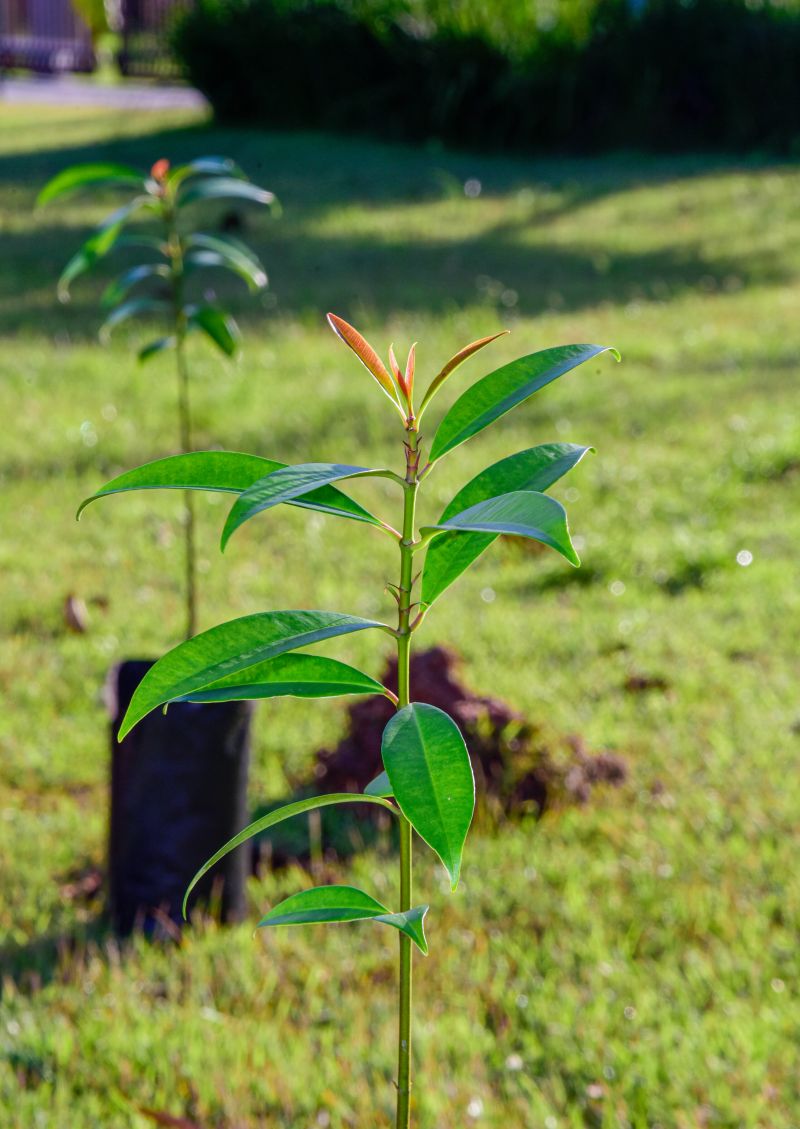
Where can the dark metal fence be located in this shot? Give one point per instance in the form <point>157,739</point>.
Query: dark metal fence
<point>48,36</point>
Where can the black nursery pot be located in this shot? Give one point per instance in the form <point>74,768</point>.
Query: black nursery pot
<point>178,792</point>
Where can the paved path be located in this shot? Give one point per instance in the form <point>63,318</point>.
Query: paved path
<point>76,92</point>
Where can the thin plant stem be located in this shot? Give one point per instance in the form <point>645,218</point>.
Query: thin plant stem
<point>404,696</point>
<point>184,416</point>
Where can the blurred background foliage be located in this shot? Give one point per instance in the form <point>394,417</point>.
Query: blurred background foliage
<point>570,76</point>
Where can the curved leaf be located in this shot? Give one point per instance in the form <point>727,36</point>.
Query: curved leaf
<point>367,355</point>
<point>95,175</point>
<point>154,347</point>
<point>99,243</point>
<point>230,253</point>
<point>503,389</point>
<point>274,817</point>
<point>218,326</point>
<point>228,472</point>
<point>117,290</point>
<point>535,469</point>
<point>204,166</point>
<point>380,786</point>
<point>288,484</point>
<point>290,675</point>
<point>222,188</point>
<point>524,513</point>
<point>231,647</point>
<point>130,309</point>
<point>430,772</point>
<point>331,904</point>
<point>454,362</point>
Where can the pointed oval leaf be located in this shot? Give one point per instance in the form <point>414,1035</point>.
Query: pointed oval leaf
<point>231,647</point>
<point>366,354</point>
<point>222,188</point>
<point>523,513</point>
<point>95,175</point>
<point>454,362</point>
<point>218,326</point>
<point>380,786</point>
<point>99,243</point>
<point>134,307</point>
<point>205,166</point>
<point>290,675</point>
<point>226,471</point>
<point>290,483</point>
<point>535,469</point>
<point>429,769</point>
<point>503,389</point>
<point>333,904</point>
<point>200,259</point>
<point>271,819</point>
<point>117,290</point>
<point>234,254</point>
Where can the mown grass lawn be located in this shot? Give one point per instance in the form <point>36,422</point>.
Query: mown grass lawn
<point>630,963</point>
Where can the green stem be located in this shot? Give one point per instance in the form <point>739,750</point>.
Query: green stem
<point>404,697</point>
<point>184,417</point>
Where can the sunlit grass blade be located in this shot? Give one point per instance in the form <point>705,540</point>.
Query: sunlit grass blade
<point>288,484</point>
<point>505,388</point>
<point>336,904</point>
<point>454,362</point>
<point>535,469</point>
<point>231,647</point>
<point>523,513</point>
<point>99,174</point>
<point>227,471</point>
<point>291,675</point>
<point>430,772</point>
<point>275,817</point>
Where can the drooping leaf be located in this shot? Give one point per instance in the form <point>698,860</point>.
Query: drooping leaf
<point>537,468</point>
<point>288,484</point>
<point>500,391</point>
<point>454,362</point>
<point>290,675</point>
<point>117,289</point>
<point>367,355</point>
<point>231,647</point>
<point>274,817</point>
<point>218,326</point>
<point>99,243</point>
<point>200,259</point>
<point>380,786</point>
<point>155,347</point>
<point>232,253</point>
<point>430,772</point>
<point>523,513</point>
<point>205,166</point>
<point>99,174</point>
<point>134,307</point>
<point>332,904</point>
<point>222,188</point>
<point>226,471</point>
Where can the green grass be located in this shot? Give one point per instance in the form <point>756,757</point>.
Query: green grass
<point>630,963</point>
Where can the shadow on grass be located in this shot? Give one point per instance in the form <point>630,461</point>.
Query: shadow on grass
<point>388,270</point>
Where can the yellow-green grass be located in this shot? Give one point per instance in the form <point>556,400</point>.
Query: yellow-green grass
<point>631,963</point>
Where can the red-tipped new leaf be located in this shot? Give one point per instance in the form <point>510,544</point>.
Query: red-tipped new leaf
<point>366,354</point>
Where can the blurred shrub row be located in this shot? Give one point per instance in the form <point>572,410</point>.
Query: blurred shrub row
<point>573,75</point>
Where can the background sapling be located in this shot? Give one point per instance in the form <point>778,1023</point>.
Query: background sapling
<point>427,782</point>
<point>161,287</point>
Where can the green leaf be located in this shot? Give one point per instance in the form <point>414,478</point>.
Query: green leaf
<point>99,243</point>
<point>223,187</point>
<point>503,389</point>
<point>225,471</point>
<point>380,786</point>
<point>429,769</point>
<point>97,175</point>
<point>287,484</point>
<point>330,904</point>
<point>204,166</point>
<point>231,647</point>
<point>117,290</point>
<point>225,251</point>
<point>274,817</point>
<point>132,308</point>
<point>218,326</point>
<point>535,469</point>
<point>523,513</point>
<point>290,675</point>
<point>153,348</point>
